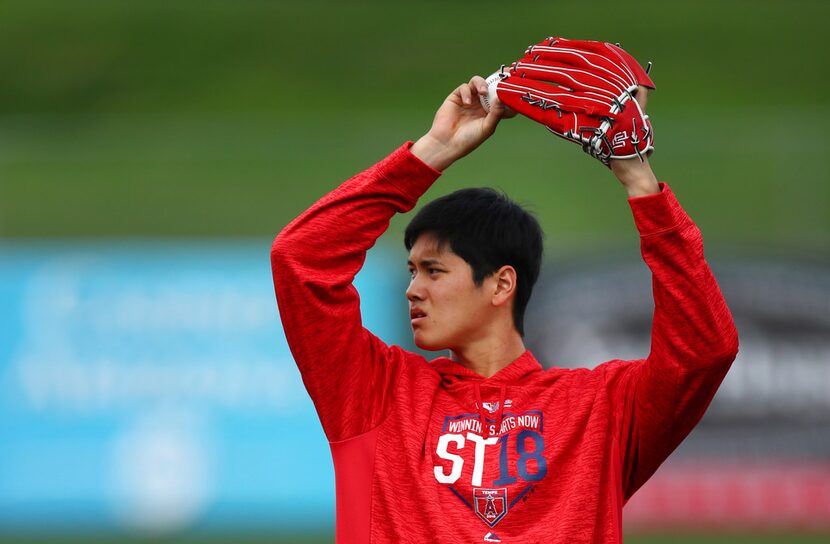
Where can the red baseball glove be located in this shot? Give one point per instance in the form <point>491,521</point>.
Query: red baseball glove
<point>582,91</point>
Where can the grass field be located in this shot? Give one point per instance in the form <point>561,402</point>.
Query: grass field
<point>228,118</point>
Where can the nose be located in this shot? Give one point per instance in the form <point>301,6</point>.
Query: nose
<point>414,291</point>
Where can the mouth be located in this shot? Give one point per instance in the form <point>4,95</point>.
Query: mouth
<point>416,315</point>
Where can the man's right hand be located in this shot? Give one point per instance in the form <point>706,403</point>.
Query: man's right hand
<point>460,126</point>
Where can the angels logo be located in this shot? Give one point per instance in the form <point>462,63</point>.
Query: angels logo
<point>490,504</point>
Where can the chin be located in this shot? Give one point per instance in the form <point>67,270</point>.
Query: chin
<point>429,344</point>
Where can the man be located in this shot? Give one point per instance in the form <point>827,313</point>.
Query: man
<point>486,445</point>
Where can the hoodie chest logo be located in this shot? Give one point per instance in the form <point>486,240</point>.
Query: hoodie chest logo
<point>493,407</point>
<point>491,467</point>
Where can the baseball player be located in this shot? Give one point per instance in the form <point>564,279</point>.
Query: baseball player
<point>487,445</point>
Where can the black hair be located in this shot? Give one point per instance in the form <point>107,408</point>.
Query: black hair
<point>488,230</point>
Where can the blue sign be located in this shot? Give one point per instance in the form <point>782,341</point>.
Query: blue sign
<point>148,385</point>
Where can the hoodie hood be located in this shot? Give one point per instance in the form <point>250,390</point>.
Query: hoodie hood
<point>473,390</point>
<point>453,373</point>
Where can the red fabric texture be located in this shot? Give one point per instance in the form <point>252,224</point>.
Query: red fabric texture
<point>354,465</point>
<point>559,451</point>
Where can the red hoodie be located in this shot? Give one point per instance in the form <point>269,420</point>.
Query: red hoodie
<point>433,452</point>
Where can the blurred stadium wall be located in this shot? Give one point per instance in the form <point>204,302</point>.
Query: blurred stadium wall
<point>759,458</point>
<point>149,151</point>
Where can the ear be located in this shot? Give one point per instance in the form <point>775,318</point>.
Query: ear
<point>504,285</point>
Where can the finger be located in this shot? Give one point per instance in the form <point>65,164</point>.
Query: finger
<point>466,93</point>
<point>515,91</point>
<point>504,111</point>
<point>576,79</point>
<point>498,111</point>
<point>642,96</point>
<point>581,55</point>
<point>479,85</point>
<point>493,117</point>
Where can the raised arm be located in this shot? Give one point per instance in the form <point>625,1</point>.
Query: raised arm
<point>349,373</point>
<point>659,400</point>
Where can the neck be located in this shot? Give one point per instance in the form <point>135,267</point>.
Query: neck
<point>490,354</point>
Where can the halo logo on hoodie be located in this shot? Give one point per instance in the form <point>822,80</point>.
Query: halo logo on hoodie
<point>491,465</point>
<point>490,504</point>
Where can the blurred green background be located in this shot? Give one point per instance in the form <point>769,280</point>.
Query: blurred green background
<point>228,118</point>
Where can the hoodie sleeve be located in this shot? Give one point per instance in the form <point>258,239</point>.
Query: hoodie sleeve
<point>346,369</point>
<point>657,401</point>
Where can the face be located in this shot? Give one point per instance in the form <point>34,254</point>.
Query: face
<point>447,309</point>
